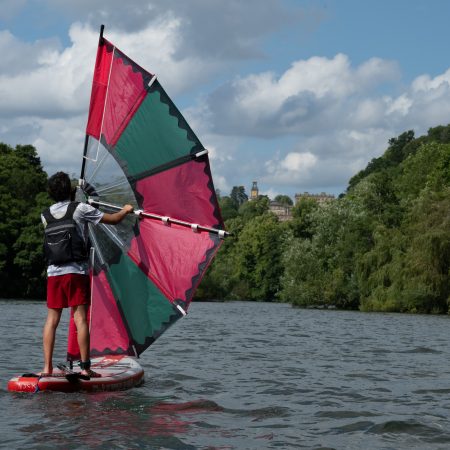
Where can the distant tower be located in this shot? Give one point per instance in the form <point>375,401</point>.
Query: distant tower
<point>254,193</point>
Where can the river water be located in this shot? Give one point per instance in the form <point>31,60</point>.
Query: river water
<point>246,375</point>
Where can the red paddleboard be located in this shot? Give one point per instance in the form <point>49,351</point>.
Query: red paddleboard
<point>117,373</point>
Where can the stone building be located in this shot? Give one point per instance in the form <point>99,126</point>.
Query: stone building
<point>283,212</point>
<point>319,198</point>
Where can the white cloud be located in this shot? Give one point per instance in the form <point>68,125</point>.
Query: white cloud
<point>55,83</point>
<point>291,168</point>
<point>59,141</point>
<point>310,94</point>
<point>299,162</point>
<point>211,29</point>
<point>58,84</point>
<point>336,115</point>
<point>21,57</point>
<point>399,106</point>
<point>221,183</point>
<point>425,83</point>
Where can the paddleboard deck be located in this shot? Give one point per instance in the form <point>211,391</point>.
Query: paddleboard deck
<point>117,372</point>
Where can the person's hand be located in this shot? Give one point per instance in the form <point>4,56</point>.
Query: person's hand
<point>128,209</point>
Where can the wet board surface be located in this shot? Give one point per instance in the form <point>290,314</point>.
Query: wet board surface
<point>117,373</point>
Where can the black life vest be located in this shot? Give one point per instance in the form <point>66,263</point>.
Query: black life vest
<point>62,241</point>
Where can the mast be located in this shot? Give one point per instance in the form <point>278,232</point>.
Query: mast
<point>86,139</point>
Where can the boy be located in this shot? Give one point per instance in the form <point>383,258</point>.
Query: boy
<point>68,283</point>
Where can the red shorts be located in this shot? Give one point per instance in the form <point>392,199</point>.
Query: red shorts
<point>71,289</point>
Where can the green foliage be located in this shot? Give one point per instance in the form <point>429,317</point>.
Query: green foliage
<point>384,246</point>
<point>302,218</point>
<point>248,265</point>
<point>430,167</point>
<point>28,250</point>
<point>221,276</point>
<point>284,200</point>
<point>22,193</point>
<point>395,153</point>
<point>228,208</point>
<point>257,258</point>
<point>408,268</point>
<point>255,208</point>
<point>238,196</point>
<point>322,272</point>
<point>399,148</point>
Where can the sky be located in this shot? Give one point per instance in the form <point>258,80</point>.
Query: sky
<point>296,95</point>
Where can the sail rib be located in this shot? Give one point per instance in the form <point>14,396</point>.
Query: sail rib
<point>109,188</point>
<point>113,235</point>
<point>98,165</point>
<point>163,167</point>
<point>94,241</point>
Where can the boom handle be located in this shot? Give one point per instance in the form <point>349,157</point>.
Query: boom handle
<point>165,219</point>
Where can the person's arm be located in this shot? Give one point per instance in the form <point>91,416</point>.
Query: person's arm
<point>114,219</point>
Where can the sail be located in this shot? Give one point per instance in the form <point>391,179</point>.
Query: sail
<point>140,150</point>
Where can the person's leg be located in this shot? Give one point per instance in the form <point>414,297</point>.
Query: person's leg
<point>53,317</point>
<point>56,301</point>
<point>80,319</point>
<point>79,301</point>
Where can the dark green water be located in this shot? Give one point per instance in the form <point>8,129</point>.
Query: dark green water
<point>246,376</point>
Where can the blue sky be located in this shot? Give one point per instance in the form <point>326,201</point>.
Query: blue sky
<point>298,95</point>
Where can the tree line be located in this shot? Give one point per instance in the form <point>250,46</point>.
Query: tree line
<point>383,245</point>
<point>23,196</point>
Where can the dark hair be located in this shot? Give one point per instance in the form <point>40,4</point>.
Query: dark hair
<point>59,187</point>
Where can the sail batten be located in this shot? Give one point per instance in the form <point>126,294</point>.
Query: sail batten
<point>140,150</point>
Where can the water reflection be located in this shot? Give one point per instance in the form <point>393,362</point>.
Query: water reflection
<point>102,419</point>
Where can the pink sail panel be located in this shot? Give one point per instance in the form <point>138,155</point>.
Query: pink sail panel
<point>126,92</point>
<point>173,257</point>
<point>73,350</point>
<point>107,329</point>
<point>182,192</point>
<point>99,86</point>
<point>120,83</point>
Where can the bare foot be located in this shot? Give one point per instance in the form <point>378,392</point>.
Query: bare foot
<point>44,374</point>
<point>47,371</point>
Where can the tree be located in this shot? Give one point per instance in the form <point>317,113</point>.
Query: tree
<point>383,246</point>
<point>302,219</point>
<point>29,258</point>
<point>395,153</point>
<point>228,208</point>
<point>221,277</point>
<point>238,196</point>
<point>257,258</point>
<point>255,208</point>
<point>408,267</point>
<point>284,200</point>
<point>21,181</point>
<point>398,150</point>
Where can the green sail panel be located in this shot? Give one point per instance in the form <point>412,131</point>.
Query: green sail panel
<point>156,136</point>
<point>146,311</point>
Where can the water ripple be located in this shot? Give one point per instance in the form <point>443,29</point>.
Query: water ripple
<point>247,376</point>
